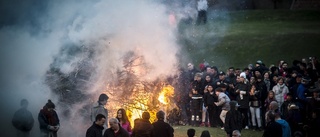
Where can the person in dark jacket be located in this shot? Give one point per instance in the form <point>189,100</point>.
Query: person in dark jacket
<point>115,129</point>
<point>142,127</point>
<point>273,129</point>
<point>23,120</point>
<point>233,119</point>
<point>161,128</point>
<point>96,129</point>
<point>48,120</point>
<point>196,107</point>
<point>242,90</point>
<point>208,99</point>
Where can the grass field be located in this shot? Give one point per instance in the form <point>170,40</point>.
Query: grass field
<point>181,131</point>
<point>242,37</point>
<point>239,38</point>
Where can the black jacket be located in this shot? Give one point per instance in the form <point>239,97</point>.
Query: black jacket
<point>244,99</point>
<point>94,131</point>
<point>121,133</point>
<point>23,120</point>
<point>162,129</point>
<point>273,129</point>
<point>142,128</point>
<point>233,121</point>
<point>209,99</point>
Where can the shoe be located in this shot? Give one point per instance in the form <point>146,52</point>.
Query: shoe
<point>246,127</point>
<point>202,124</point>
<point>222,128</point>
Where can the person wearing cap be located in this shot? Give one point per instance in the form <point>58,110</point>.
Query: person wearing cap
<point>242,96</point>
<point>286,104</point>
<point>23,120</point>
<point>222,79</point>
<point>301,92</point>
<point>294,118</point>
<point>161,128</point>
<point>48,120</point>
<point>233,119</point>
<point>98,108</point>
<point>142,127</point>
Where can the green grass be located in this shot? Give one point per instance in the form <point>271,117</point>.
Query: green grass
<point>181,131</point>
<point>239,38</point>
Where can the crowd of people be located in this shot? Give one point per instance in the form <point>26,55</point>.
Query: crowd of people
<point>278,100</point>
<point>257,97</point>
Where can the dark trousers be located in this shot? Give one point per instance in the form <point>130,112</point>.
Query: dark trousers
<point>244,113</point>
<point>202,17</point>
<point>214,118</point>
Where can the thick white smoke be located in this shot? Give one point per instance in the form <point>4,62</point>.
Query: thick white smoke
<point>110,28</point>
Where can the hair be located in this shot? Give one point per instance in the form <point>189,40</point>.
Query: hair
<point>114,120</point>
<point>103,97</point>
<point>237,132</point>
<point>280,78</point>
<point>205,133</point>
<point>50,104</point>
<point>219,89</point>
<point>124,117</point>
<point>99,117</point>
<point>271,115</point>
<point>146,115</point>
<point>160,115</point>
<point>272,93</point>
<point>24,102</point>
<point>191,132</point>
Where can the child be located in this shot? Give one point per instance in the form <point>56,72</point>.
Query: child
<point>195,106</point>
<point>269,99</point>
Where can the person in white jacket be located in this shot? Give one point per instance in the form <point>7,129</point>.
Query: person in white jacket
<point>280,90</point>
<point>202,7</point>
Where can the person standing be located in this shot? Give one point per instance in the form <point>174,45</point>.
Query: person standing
<point>115,129</point>
<point>208,99</point>
<point>242,90</point>
<point>98,108</point>
<point>23,120</point>
<point>123,119</point>
<point>273,128</point>
<point>48,120</point>
<point>96,129</point>
<point>196,107</point>
<point>161,128</point>
<point>202,12</point>
<point>233,119</point>
<point>142,127</point>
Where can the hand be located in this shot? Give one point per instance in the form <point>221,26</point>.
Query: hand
<point>56,128</point>
<point>51,128</point>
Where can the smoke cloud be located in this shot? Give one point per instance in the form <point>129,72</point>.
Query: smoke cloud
<point>73,36</point>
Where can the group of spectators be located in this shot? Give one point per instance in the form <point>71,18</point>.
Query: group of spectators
<point>120,126</point>
<point>252,98</point>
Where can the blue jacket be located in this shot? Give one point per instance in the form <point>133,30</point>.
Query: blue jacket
<point>286,131</point>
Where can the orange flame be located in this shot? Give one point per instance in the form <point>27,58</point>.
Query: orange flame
<point>166,92</point>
